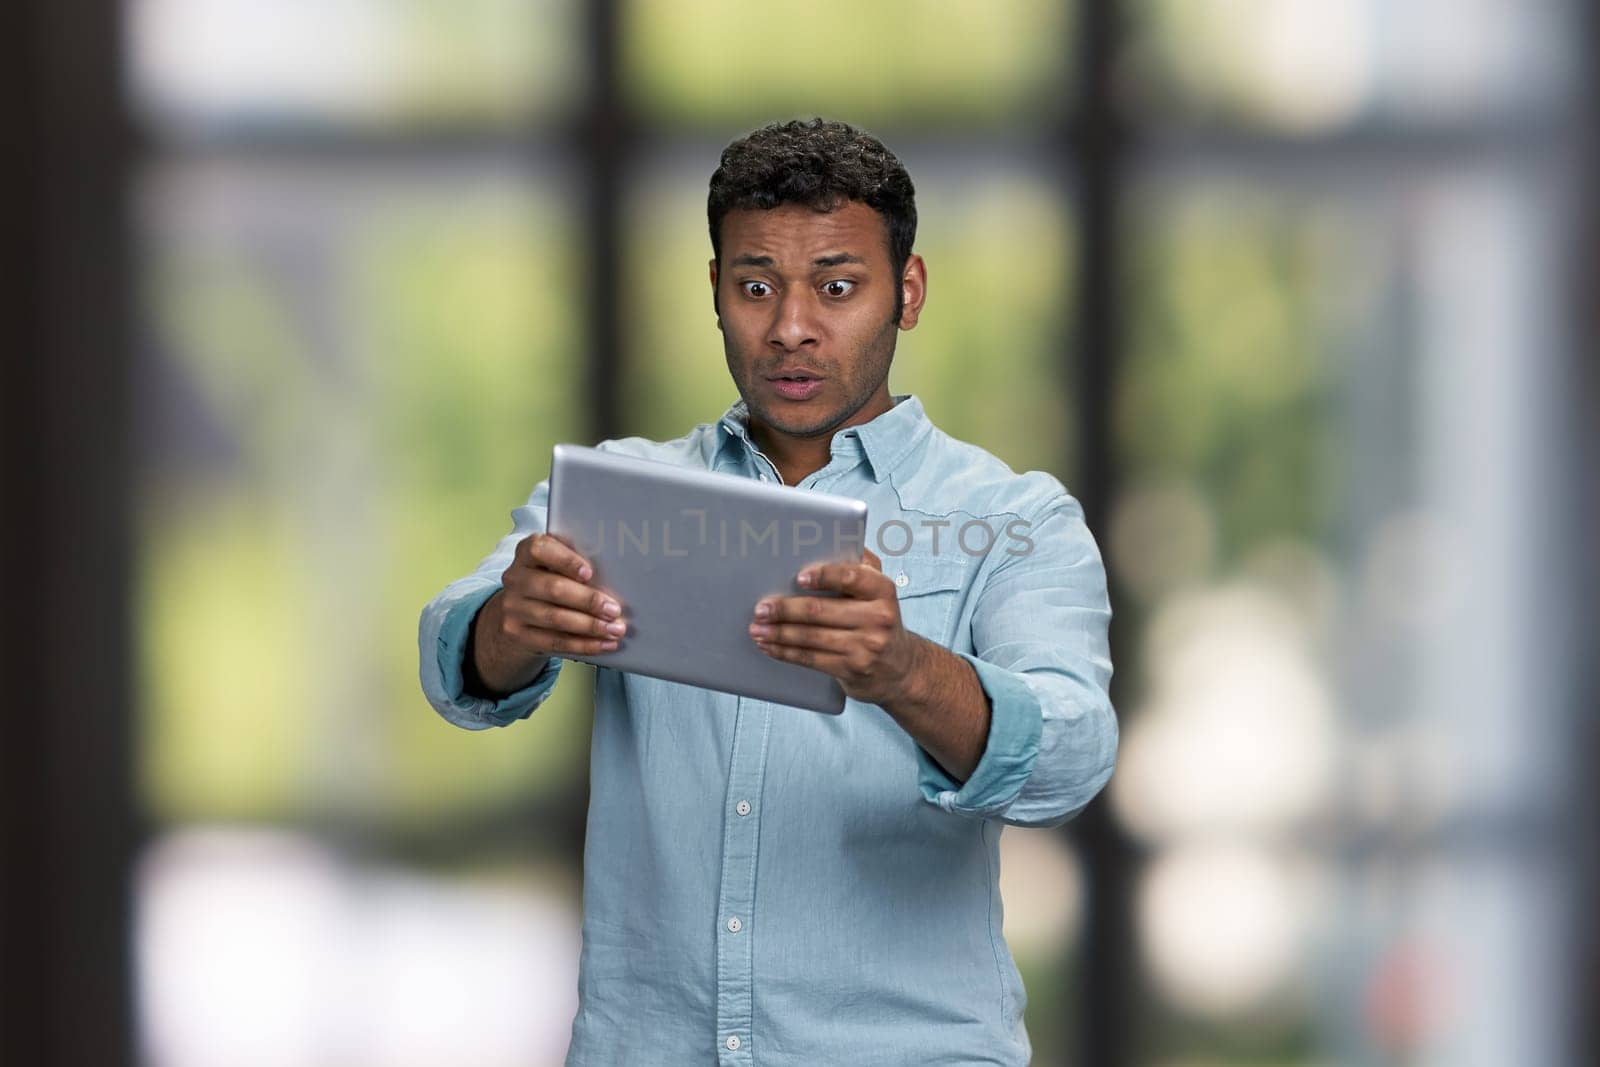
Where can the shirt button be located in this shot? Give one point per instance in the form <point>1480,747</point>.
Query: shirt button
<point>734,925</point>
<point>743,807</point>
<point>732,1042</point>
<point>901,579</point>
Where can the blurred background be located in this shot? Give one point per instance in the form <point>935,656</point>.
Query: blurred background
<point>1297,296</point>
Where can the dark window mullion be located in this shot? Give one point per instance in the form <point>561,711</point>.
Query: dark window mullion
<point>604,142</point>
<point>66,750</point>
<point>1105,991</point>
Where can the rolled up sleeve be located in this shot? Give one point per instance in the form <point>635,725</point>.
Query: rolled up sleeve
<point>447,619</point>
<point>1040,632</point>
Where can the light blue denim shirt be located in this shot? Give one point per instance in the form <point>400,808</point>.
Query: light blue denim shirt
<point>767,885</point>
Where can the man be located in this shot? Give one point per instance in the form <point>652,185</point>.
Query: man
<point>769,885</point>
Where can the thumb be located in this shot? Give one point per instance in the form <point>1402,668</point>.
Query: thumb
<point>871,559</point>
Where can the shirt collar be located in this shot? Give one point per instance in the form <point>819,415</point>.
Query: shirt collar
<point>885,440</point>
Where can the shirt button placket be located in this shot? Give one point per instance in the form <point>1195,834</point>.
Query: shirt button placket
<point>736,891</point>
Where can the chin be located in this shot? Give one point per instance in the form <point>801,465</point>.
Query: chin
<point>814,424</point>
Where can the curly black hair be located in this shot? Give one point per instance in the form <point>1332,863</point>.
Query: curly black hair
<point>821,164</point>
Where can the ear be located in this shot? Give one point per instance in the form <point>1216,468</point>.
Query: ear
<point>714,305</point>
<point>913,291</point>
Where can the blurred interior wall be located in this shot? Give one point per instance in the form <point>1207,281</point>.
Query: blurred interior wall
<point>65,809</point>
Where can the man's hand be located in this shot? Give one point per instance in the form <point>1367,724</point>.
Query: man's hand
<point>857,637</point>
<point>545,607</point>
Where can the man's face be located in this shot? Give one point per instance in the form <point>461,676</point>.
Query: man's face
<point>806,303</point>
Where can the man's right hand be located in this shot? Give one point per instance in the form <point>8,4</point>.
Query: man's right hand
<point>545,608</point>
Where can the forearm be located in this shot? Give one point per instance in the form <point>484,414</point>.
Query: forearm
<point>493,666</point>
<point>943,707</point>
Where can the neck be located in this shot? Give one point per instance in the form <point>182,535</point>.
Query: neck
<point>797,458</point>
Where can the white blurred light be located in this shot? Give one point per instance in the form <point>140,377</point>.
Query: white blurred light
<point>1305,64</point>
<point>1222,926</point>
<point>261,949</point>
<point>457,974</point>
<point>1042,886</point>
<point>1310,59</point>
<point>211,58</point>
<point>1312,65</point>
<point>237,938</point>
<point>1239,730</point>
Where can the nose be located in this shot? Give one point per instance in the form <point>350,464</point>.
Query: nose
<point>794,322</point>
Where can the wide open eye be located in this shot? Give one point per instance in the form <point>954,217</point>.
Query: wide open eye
<point>838,287</point>
<point>755,289</point>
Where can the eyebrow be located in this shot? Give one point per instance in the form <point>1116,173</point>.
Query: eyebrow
<point>834,260</point>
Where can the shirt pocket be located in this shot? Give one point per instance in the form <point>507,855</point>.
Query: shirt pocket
<point>929,588</point>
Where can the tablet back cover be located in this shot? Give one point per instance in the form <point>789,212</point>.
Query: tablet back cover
<point>688,552</point>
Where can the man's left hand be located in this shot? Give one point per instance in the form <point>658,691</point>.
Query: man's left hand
<point>857,636</point>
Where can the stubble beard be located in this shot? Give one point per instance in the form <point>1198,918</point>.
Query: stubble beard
<point>873,368</point>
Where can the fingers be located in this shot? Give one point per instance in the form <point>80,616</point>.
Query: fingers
<point>832,663</point>
<point>858,580</point>
<point>823,611</point>
<point>547,588</point>
<point>550,552</point>
<point>833,634</point>
<point>559,575</point>
<point>545,616</point>
<point>557,643</point>
<point>550,629</point>
<point>549,606</point>
<point>817,638</point>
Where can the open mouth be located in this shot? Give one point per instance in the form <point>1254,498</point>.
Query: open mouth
<point>797,386</point>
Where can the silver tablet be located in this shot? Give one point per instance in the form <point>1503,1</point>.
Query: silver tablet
<point>688,552</point>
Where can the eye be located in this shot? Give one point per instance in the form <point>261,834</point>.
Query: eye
<point>756,289</point>
<point>838,287</point>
